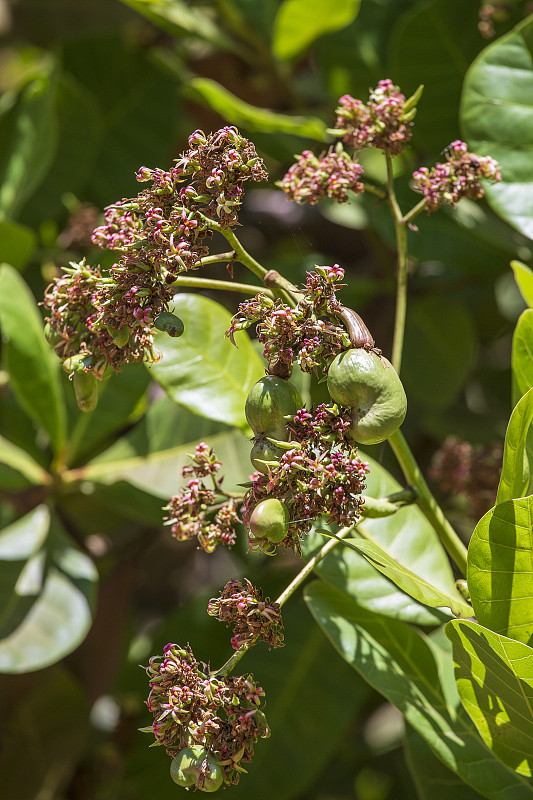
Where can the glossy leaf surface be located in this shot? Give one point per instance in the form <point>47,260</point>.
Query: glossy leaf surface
<point>495,680</point>
<point>399,663</point>
<point>408,537</point>
<point>28,358</point>
<point>522,359</point>
<point>515,475</point>
<point>240,113</point>
<point>202,370</point>
<point>299,22</point>
<point>500,569</point>
<point>497,119</point>
<point>523,276</point>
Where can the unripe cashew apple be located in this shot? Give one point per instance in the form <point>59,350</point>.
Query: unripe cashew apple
<point>369,384</point>
<point>186,769</point>
<point>268,402</point>
<point>270,520</point>
<point>262,451</point>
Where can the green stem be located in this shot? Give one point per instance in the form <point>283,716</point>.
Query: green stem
<point>284,596</point>
<point>240,254</point>
<point>401,269</point>
<point>229,286</point>
<point>415,211</point>
<point>427,503</point>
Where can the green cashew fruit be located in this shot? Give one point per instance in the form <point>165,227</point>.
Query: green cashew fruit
<point>170,323</point>
<point>269,401</point>
<point>270,520</point>
<point>369,384</point>
<point>264,451</point>
<point>120,336</point>
<point>193,766</point>
<point>86,391</point>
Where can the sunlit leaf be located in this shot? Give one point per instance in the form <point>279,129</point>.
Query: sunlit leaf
<point>28,358</point>
<point>523,355</point>
<point>202,370</point>
<point>500,569</point>
<point>398,661</point>
<point>299,22</point>
<point>523,276</point>
<point>495,680</point>
<point>514,479</point>
<point>238,112</point>
<point>497,120</point>
<point>408,537</point>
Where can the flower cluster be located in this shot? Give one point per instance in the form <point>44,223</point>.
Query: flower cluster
<point>458,177</point>
<point>192,707</point>
<point>298,334</point>
<point>253,618</point>
<point>319,474</point>
<point>311,179</point>
<point>472,471</point>
<point>166,225</point>
<point>208,515</point>
<point>159,234</point>
<point>384,122</point>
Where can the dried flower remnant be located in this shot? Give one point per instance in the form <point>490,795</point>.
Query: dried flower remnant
<point>458,177</point>
<point>311,179</point>
<point>207,514</point>
<point>253,618</point>
<point>193,707</point>
<point>384,122</point>
<point>472,471</point>
<point>306,335</point>
<point>319,475</point>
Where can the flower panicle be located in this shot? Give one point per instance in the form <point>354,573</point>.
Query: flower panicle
<point>253,618</point>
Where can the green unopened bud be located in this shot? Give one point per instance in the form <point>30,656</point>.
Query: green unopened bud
<point>462,588</point>
<point>120,336</point>
<point>51,335</point>
<point>412,101</point>
<point>86,391</point>
<point>169,323</point>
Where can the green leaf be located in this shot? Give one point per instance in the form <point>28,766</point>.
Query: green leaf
<point>523,276</point>
<point>160,473</point>
<point>497,119</point>
<point>18,469</point>
<point>179,18</point>
<point>495,681</point>
<point>439,350</point>
<point>43,737</point>
<point>500,569</point>
<point>240,113</point>
<point>51,609</point>
<point>432,779</point>
<point>514,479</point>
<point>17,243</point>
<point>33,141</point>
<point>29,360</point>
<point>299,22</point>
<point>202,370</point>
<point>406,580</point>
<point>434,43</point>
<point>522,358</point>
<point>398,661</point>
<point>408,537</point>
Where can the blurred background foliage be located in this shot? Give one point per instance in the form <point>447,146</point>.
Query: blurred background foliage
<point>90,92</point>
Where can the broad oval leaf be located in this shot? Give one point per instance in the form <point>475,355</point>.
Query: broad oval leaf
<point>494,677</point>
<point>523,276</point>
<point>497,120</point>
<point>407,580</point>
<point>398,661</point>
<point>514,479</point>
<point>299,22</point>
<point>202,370</point>
<point>56,606</point>
<point>500,569</point>
<point>240,113</point>
<point>408,537</point>
<point>522,357</point>
<point>28,358</point>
